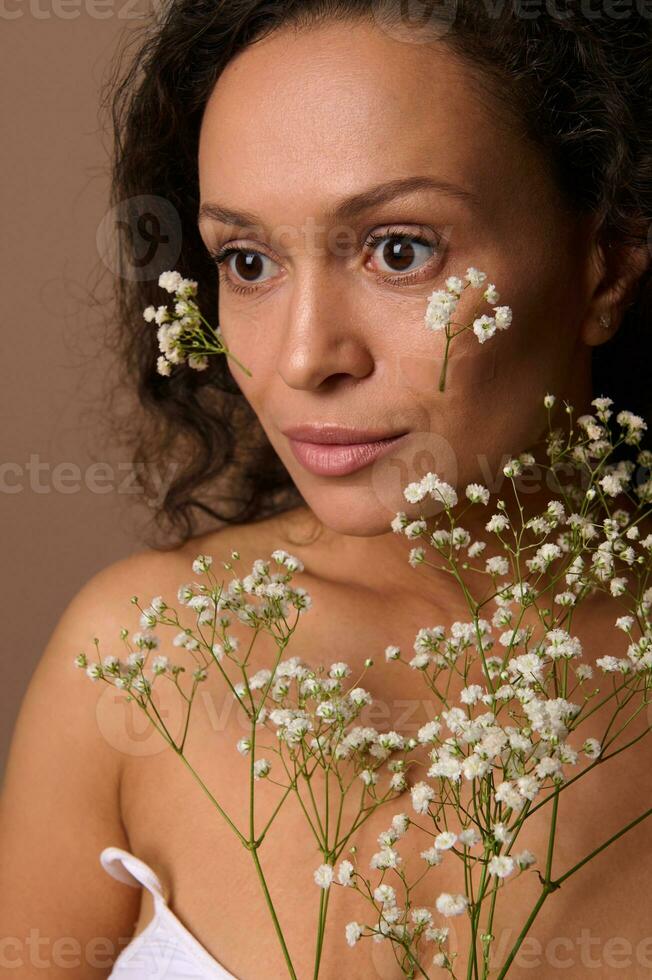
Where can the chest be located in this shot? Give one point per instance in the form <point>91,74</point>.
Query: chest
<point>596,924</point>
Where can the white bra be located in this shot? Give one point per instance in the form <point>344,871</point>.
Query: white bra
<point>165,949</point>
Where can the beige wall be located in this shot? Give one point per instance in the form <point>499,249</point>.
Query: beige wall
<point>58,526</point>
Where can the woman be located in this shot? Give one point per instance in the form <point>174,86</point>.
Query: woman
<point>338,161</point>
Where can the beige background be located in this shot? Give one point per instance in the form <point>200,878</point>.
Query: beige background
<point>58,526</point>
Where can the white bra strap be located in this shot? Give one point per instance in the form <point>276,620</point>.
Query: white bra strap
<point>129,869</point>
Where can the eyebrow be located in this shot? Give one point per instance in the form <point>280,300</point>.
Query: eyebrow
<point>350,207</point>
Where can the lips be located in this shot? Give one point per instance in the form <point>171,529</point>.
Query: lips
<point>339,459</point>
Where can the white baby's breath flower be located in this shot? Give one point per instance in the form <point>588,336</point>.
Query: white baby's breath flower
<point>484,327</point>
<point>501,865</point>
<point>477,493</point>
<point>385,894</point>
<point>503,317</point>
<point>353,931</point>
<point>524,859</point>
<point>449,905</point>
<point>625,623</point>
<point>421,916</point>
<point>497,523</point>
<point>471,694</point>
<point>170,281</point>
<point>262,768</point>
<point>163,366</point>
<point>592,748</point>
<point>501,833</point>
<point>345,873</point>
<point>432,856</point>
<point>400,823</point>
<point>454,284</point>
<point>422,795</point>
<point>469,837</point>
<point>324,875</point>
<point>201,564</point>
<point>474,277</point>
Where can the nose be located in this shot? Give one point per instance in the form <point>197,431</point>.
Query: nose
<point>324,333</point>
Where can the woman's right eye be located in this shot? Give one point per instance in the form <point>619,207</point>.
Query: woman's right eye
<point>247,267</point>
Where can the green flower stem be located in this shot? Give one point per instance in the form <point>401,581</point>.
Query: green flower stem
<point>321,928</point>
<point>222,348</point>
<point>416,964</point>
<point>444,367</point>
<point>610,840</point>
<point>243,840</point>
<point>547,888</point>
<point>270,905</point>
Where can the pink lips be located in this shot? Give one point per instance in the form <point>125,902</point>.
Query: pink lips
<point>339,459</point>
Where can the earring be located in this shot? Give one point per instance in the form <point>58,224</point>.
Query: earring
<point>604,321</point>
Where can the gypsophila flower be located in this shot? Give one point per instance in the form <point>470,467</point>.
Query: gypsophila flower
<point>432,856</point>
<point>524,859</point>
<point>345,873</point>
<point>501,865</point>
<point>592,748</point>
<point>429,731</point>
<point>353,931</point>
<point>477,494</point>
<point>421,916</point>
<point>422,795</point>
<point>625,623</point>
<point>184,336</point>
<point>262,768</point>
<point>385,894</point>
<point>450,905</point>
<point>469,837</point>
<point>201,564</point>
<point>324,875</point>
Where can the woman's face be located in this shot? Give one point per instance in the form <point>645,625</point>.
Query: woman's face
<point>332,326</point>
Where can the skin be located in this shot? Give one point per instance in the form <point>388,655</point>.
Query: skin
<point>327,340</point>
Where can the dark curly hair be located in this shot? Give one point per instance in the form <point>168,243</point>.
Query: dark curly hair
<point>578,80</point>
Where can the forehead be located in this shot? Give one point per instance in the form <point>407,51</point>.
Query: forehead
<point>312,116</point>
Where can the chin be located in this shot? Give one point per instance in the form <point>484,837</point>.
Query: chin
<point>359,511</point>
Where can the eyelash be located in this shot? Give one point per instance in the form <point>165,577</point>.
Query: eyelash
<point>221,255</point>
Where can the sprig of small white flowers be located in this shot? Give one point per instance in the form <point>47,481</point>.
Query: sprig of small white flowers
<point>311,713</point>
<point>184,336</point>
<point>442,306</point>
<point>517,739</point>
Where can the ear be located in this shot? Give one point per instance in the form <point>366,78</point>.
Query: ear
<point>617,271</point>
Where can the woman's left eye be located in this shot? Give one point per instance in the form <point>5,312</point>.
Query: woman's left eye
<point>403,254</point>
